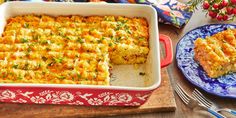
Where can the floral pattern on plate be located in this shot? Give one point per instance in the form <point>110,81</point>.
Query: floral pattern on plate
<point>224,86</point>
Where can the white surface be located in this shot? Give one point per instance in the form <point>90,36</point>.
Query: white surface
<point>127,76</point>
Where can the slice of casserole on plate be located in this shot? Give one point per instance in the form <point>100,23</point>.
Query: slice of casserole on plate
<point>217,53</point>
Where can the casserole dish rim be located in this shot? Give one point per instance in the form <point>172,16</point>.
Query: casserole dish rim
<point>153,86</point>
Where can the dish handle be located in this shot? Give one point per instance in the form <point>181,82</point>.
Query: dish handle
<point>168,49</point>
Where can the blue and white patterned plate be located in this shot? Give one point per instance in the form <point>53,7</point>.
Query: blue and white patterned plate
<point>224,86</point>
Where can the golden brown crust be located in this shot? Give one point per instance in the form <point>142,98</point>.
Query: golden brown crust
<point>69,49</point>
<point>217,53</point>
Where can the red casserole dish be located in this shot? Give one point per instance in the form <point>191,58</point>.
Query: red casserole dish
<point>129,89</point>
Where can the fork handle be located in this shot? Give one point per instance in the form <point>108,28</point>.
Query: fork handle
<point>233,112</point>
<point>216,114</point>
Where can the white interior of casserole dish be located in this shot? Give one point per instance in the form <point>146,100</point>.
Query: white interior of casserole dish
<point>125,77</point>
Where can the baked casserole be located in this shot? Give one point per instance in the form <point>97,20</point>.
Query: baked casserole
<point>217,53</point>
<point>70,49</point>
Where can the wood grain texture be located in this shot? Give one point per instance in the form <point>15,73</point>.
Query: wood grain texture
<point>162,99</point>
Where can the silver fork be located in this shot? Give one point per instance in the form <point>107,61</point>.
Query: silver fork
<point>209,104</point>
<point>192,103</point>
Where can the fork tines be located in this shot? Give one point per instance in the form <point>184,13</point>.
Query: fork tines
<point>201,98</point>
<point>182,94</point>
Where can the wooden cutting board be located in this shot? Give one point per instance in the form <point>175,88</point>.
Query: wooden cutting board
<point>162,99</point>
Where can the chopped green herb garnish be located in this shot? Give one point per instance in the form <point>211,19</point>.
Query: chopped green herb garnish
<point>77,55</point>
<point>99,41</point>
<point>44,41</point>
<point>36,37</point>
<point>116,39</point>
<point>26,66</point>
<point>112,37</point>
<point>29,49</point>
<point>58,60</point>
<point>126,27</point>
<point>129,31</point>
<point>61,77</point>
<point>24,40</point>
<point>51,63</point>
<point>80,40</point>
<point>69,38</point>
<point>107,19</point>
<point>142,39</point>
<point>110,44</point>
<point>20,77</point>
<point>117,28</point>
<point>78,75</point>
<point>26,25</point>
<point>4,75</point>
<point>27,54</point>
<point>88,61</point>
<point>48,49</point>
<point>119,25</point>
<point>15,66</point>
<point>39,65</point>
<point>92,29</point>
<point>78,29</point>
<point>124,21</point>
